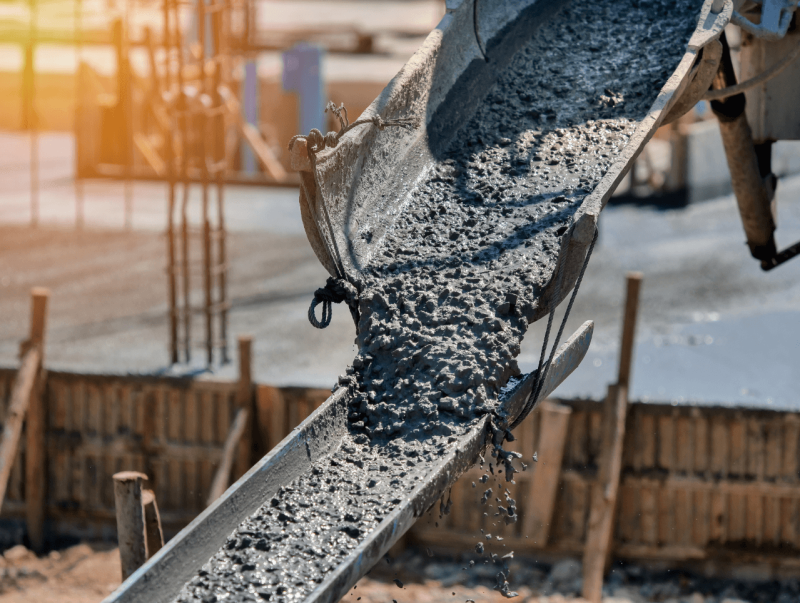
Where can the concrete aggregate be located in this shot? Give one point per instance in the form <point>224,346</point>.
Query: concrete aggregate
<point>446,302</point>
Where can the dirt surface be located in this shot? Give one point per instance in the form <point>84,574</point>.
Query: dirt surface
<point>80,574</point>
<point>88,573</point>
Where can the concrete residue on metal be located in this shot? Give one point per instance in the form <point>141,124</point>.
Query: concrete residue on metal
<point>448,296</point>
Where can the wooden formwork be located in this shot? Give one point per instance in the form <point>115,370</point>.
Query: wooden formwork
<point>171,429</point>
<point>698,483</point>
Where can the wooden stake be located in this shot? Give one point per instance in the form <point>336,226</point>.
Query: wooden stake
<point>634,281</point>
<point>24,386</point>
<point>223,475</point>
<point>39,297</point>
<point>17,408</point>
<point>154,536</point>
<point>553,422</point>
<point>35,424</point>
<point>245,399</point>
<point>130,521</point>
<point>600,532</point>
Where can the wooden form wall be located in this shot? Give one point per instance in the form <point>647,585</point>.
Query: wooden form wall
<point>697,482</point>
<point>171,429</point>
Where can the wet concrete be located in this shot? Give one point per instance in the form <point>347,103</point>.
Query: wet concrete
<point>445,304</point>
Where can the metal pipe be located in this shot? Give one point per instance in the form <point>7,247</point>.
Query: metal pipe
<point>752,196</point>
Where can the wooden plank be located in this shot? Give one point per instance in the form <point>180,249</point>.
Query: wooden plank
<point>756,456</point>
<point>526,437</point>
<point>245,399</point>
<point>629,514</point>
<point>471,500</point>
<point>78,410</point>
<point>684,444</point>
<point>754,527</point>
<point>192,481</point>
<point>262,151</point>
<point>738,446</point>
<point>649,519</point>
<point>772,519</point>
<point>578,440</point>
<point>729,486</point>
<point>647,453</point>
<point>666,443</point>
<point>458,510</point>
<point>130,521</point>
<point>684,516</point>
<point>773,448</point>
<point>666,516</point>
<point>718,531</point>
<point>112,406</point>
<point>736,517</point>
<point>225,408</point>
<point>12,428</point>
<point>720,446</point>
<point>174,414</point>
<point>701,525</point>
<point>293,409</point>
<point>35,464</point>
<point>791,429</point>
<point>191,424</point>
<point>229,452</point>
<point>175,484</point>
<point>154,536</point>
<point>272,410</point>
<point>5,392</point>
<point>77,472</point>
<point>541,494</point>
<point>94,408</point>
<point>701,442</point>
<point>58,396</point>
<point>92,472</point>
<point>602,513</point>
<point>207,418</point>
<point>595,437</point>
<point>789,521</point>
<point>633,282</point>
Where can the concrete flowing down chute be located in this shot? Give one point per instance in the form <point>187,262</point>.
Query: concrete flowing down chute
<point>462,208</point>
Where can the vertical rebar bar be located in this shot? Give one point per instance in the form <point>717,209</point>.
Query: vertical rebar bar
<point>181,108</point>
<point>29,112</point>
<point>172,285</point>
<point>220,164</point>
<point>203,114</point>
<point>78,17</point>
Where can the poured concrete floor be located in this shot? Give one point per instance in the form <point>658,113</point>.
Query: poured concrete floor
<point>713,327</point>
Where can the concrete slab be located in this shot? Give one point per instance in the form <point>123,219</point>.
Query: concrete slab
<point>714,328</point>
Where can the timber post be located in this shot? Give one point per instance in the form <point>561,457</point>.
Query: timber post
<point>153,534</point>
<point>130,521</point>
<point>600,532</point>
<point>543,488</point>
<point>35,425</point>
<point>245,399</point>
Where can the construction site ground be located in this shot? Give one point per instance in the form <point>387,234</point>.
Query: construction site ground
<point>88,573</point>
<point>713,327</point>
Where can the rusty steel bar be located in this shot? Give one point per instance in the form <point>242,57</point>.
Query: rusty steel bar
<point>752,196</point>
